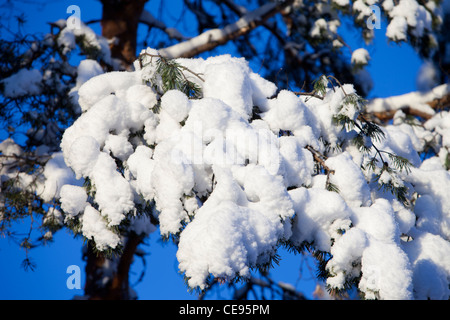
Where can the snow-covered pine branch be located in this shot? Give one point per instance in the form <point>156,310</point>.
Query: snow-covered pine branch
<point>230,166</point>
<point>242,169</point>
<point>216,37</point>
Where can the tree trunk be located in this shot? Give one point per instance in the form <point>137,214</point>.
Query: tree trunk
<point>120,19</point>
<point>107,278</point>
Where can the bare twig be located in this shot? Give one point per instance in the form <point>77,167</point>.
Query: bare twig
<point>310,94</point>
<point>320,158</point>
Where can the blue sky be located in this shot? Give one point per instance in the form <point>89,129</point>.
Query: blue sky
<point>393,69</point>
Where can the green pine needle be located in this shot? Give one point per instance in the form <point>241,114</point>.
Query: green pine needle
<point>400,162</point>
<point>332,187</point>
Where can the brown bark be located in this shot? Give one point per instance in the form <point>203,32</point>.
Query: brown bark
<point>120,19</point>
<point>120,285</point>
<point>440,103</point>
<point>388,115</point>
<point>437,104</point>
<point>117,286</point>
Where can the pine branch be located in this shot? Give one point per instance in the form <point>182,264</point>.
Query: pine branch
<point>369,131</point>
<point>393,185</point>
<point>148,19</point>
<point>387,115</point>
<point>310,94</point>
<point>173,77</point>
<point>320,158</point>
<point>216,37</point>
<point>319,89</point>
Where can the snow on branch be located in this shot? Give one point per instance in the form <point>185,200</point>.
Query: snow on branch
<point>421,104</point>
<point>231,169</point>
<point>216,37</point>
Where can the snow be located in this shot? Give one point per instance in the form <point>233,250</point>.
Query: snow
<point>56,174</point>
<point>248,167</point>
<point>431,266</point>
<point>111,83</point>
<point>441,125</point>
<point>82,155</point>
<point>415,100</point>
<point>9,148</point>
<point>407,14</point>
<point>342,3</point>
<point>86,70</point>
<point>67,39</point>
<point>176,105</point>
<point>349,179</point>
<point>73,199</point>
<point>360,57</point>
<point>434,183</point>
<point>364,250</point>
<point>427,77</point>
<point>387,279</point>
<point>230,188</point>
<point>427,214</point>
<point>377,221</point>
<point>320,214</point>
<point>237,93</point>
<point>415,15</point>
<point>297,163</point>
<point>320,27</point>
<point>140,165</point>
<point>24,82</point>
<point>118,146</point>
<point>347,252</point>
<point>397,28</point>
<point>234,230</point>
<point>113,193</point>
<point>288,112</point>
<point>363,9</point>
<point>95,228</point>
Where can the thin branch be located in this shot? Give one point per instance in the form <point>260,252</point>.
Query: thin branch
<point>194,73</point>
<point>338,82</point>
<point>310,94</point>
<point>216,37</point>
<point>33,159</point>
<point>150,21</point>
<point>436,104</point>
<point>389,114</point>
<point>419,104</point>
<point>241,11</point>
<point>320,158</point>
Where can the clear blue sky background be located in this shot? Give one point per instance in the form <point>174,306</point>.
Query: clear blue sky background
<point>393,69</point>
